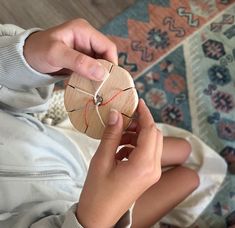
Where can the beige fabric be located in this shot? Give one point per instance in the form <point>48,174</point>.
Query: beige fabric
<point>211,169</point>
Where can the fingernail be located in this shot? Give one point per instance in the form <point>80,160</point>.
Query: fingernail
<point>98,72</point>
<point>142,100</point>
<point>113,117</point>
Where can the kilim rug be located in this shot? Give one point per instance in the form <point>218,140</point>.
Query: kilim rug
<point>181,54</point>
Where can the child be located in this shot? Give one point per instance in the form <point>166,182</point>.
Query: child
<point>42,173</point>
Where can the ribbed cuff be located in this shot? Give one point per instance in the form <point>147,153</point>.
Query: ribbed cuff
<point>15,72</point>
<point>71,219</point>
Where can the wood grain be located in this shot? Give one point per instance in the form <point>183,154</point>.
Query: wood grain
<point>117,92</point>
<point>47,13</point>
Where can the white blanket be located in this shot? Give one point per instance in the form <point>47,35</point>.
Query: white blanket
<point>209,165</point>
<point>212,171</point>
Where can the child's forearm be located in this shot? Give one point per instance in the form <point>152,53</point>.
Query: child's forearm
<point>28,57</point>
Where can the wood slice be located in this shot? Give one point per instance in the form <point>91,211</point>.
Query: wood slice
<point>90,115</point>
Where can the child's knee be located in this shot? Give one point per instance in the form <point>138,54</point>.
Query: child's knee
<point>185,149</point>
<point>192,177</point>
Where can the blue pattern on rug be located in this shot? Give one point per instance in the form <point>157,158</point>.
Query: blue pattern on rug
<point>164,87</point>
<point>208,72</point>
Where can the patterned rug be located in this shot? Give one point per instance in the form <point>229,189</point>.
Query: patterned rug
<point>182,57</point>
<point>181,54</point>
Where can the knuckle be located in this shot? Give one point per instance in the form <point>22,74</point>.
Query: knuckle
<point>75,25</point>
<point>153,127</point>
<point>78,22</point>
<point>80,61</point>
<point>160,133</point>
<point>160,136</point>
<point>83,21</point>
<point>109,135</point>
<point>113,47</point>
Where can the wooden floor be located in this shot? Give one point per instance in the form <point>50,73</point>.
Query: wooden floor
<point>46,13</point>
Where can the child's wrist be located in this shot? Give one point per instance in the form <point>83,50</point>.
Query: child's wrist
<point>89,220</point>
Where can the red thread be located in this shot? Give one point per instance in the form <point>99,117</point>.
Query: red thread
<point>112,98</point>
<point>85,112</point>
<point>102,104</point>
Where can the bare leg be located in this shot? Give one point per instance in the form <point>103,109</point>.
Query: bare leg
<point>175,151</point>
<point>158,200</point>
<point>173,187</point>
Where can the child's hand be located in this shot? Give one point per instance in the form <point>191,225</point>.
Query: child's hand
<point>72,46</point>
<point>113,185</point>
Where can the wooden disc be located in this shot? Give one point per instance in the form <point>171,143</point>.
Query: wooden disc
<point>89,115</point>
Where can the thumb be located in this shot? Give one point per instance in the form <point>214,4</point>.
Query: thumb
<point>111,137</point>
<point>84,65</point>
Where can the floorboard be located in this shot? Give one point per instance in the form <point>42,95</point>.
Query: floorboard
<point>47,13</point>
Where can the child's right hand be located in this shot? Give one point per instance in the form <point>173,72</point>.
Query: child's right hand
<point>72,46</point>
<point>113,185</point>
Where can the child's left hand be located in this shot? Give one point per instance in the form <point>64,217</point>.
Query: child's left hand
<point>72,46</point>
<point>113,184</point>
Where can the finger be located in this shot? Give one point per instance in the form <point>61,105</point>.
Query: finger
<point>123,153</point>
<point>104,47</point>
<point>146,144</point>
<point>111,138</point>
<point>94,41</point>
<point>78,62</point>
<point>133,126</point>
<point>147,140</point>
<point>63,71</point>
<point>145,118</point>
<point>159,148</point>
<point>129,138</point>
<point>145,113</point>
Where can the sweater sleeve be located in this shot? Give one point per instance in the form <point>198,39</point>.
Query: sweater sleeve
<point>50,215</point>
<point>22,89</point>
<point>72,222</point>
<point>69,220</point>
